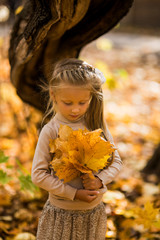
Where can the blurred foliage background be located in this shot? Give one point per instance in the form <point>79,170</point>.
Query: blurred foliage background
<point>130,63</point>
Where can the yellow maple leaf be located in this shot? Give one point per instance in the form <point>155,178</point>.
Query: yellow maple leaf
<point>64,132</point>
<point>52,145</point>
<point>79,151</point>
<point>147,216</point>
<point>64,169</point>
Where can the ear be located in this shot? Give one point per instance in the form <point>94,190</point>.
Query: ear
<point>52,95</point>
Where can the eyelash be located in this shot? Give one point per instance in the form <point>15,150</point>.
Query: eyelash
<point>68,104</point>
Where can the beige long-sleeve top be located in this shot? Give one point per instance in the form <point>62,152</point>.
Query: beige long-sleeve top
<point>62,194</point>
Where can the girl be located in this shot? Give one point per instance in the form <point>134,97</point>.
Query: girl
<point>74,210</point>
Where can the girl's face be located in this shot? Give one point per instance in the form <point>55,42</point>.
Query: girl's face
<point>72,101</point>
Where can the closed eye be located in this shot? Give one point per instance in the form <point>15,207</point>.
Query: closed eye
<point>82,103</point>
<point>68,104</point>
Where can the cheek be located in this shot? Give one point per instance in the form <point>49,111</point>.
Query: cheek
<point>64,107</point>
<point>85,108</point>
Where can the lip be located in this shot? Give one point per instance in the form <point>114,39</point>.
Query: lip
<point>74,116</point>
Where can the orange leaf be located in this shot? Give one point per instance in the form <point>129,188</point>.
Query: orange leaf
<point>79,151</point>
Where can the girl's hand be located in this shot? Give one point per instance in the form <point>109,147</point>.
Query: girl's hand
<point>86,195</point>
<point>91,184</point>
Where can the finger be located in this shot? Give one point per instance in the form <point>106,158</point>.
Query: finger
<point>89,183</point>
<point>86,184</point>
<point>87,187</point>
<point>85,176</point>
<point>88,180</point>
<point>85,181</point>
<point>93,193</point>
<point>92,197</point>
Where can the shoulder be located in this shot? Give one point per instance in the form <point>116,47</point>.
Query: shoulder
<point>50,129</point>
<point>107,133</point>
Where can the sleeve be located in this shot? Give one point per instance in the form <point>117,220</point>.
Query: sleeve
<point>41,175</point>
<point>108,174</point>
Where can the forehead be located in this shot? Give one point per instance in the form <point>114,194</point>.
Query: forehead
<point>70,92</point>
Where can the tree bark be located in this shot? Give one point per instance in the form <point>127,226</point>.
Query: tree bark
<point>48,30</point>
<point>153,165</point>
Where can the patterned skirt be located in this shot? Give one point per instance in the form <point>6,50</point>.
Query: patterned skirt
<point>60,224</point>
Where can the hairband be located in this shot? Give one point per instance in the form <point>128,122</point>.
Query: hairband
<point>88,67</point>
<point>101,75</point>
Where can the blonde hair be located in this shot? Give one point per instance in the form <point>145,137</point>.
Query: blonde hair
<point>79,73</point>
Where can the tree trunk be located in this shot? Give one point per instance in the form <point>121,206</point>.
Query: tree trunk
<point>48,30</point>
<point>153,165</point>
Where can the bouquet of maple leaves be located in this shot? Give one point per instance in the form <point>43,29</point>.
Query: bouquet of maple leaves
<point>78,152</point>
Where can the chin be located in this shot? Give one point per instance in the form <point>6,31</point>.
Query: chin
<point>74,118</point>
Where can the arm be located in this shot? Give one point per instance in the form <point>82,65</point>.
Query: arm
<point>41,175</point>
<point>108,174</point>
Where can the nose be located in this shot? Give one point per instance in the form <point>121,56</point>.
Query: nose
<point>75,110</point>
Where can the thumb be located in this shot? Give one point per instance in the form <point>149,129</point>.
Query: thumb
<point>93,193</point>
